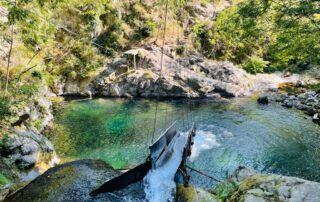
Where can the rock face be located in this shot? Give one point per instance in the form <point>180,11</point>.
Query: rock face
<point>255,187</point>
<point>138,74</point>
<point>24,146</point>
<point>73,182</point>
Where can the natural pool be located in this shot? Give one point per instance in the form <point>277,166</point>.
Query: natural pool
<point>230,133</point>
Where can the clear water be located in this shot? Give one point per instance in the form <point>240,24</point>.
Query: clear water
<point>237,132</point>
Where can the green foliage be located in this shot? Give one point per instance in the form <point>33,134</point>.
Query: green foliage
<point>3,180</point>
<point>145,30</point>
<point>285,34</point>
<point>37,74</point>
<point>180,49</point>
<point>203,36</point>
<point>38,124</point>
<point>224,189</point>
<point>4,142</point>
<point>254,65</point>
<point>27,90</point>
<point>314,87</point>
<point>4,107</point>
<point>16,14</point>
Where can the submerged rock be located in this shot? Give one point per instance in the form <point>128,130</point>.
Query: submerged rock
<point>73,182</point>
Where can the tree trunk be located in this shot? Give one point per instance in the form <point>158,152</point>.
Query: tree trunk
<point>8,64</point>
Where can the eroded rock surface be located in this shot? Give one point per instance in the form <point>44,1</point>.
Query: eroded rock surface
<point>73,182</point>
<point>256,187</point>
<point>138,73</point>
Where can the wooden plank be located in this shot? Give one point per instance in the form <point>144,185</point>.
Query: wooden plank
<point>122,181</point>
<point>161,143</point>
<point>182,176</point>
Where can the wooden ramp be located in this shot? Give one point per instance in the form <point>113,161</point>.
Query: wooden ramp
<point>160,153</point>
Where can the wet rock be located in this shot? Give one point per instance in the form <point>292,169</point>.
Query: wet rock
<point>73,182</point>
<point>307,101</point>
<point>127,95</point>
<point>263,99</point>
<point>213,96</point>
<point>316,118</point>
<point>288,103</point>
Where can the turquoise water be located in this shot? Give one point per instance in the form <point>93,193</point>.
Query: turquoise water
<point>230,133</point>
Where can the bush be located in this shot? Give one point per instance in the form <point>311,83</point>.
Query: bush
<point>255,65</point>
<point>3,180</point>
<point>4,107</point>
<point>145,30</point>
<point>4,142</point>
<point>224,189</point>
<point>180,50</point>
<point>27,90</point>
<point>37,74</point>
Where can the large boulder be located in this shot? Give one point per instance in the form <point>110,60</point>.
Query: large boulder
<point>73,182</point>
<point>256,187</point>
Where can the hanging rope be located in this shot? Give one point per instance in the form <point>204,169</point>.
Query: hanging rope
<point>204,174</point>
<point>161,67</point>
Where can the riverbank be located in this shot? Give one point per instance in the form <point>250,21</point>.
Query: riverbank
<point>245,184</point>
<point>75,180</point>
<point>302,97</point>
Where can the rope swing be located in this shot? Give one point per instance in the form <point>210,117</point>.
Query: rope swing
<point>161,67</point>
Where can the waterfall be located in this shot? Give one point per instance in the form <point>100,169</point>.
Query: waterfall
<point>159,182</point>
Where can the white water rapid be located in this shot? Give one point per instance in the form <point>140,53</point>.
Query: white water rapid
<point>159,183</point>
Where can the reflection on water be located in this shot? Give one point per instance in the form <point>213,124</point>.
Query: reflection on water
<point>268,138</point>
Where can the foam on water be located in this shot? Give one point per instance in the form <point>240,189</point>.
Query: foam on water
<point>203,140</point>
<point>159,183</point>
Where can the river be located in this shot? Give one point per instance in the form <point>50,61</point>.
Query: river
<point>269,138</point>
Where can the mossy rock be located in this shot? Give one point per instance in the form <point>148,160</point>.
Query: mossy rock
<point>194,194</point>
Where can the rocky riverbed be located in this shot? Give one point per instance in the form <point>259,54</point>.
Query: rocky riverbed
<point>296,96</point>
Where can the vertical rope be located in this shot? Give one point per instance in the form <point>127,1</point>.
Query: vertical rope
<point>134,62</point>
<point>161,66</point>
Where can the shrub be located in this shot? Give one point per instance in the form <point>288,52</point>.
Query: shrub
<point>27,90</point>
<point>255,65</point>
<point>4,142</point>
<point>3,180</point>
<point>180,49</point>
<point>4,107</point>
<point>145,30</point>
<point>37,74</point>
<point>224,189</point>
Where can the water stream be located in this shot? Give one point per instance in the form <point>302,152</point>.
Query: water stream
<point>229,133</point>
